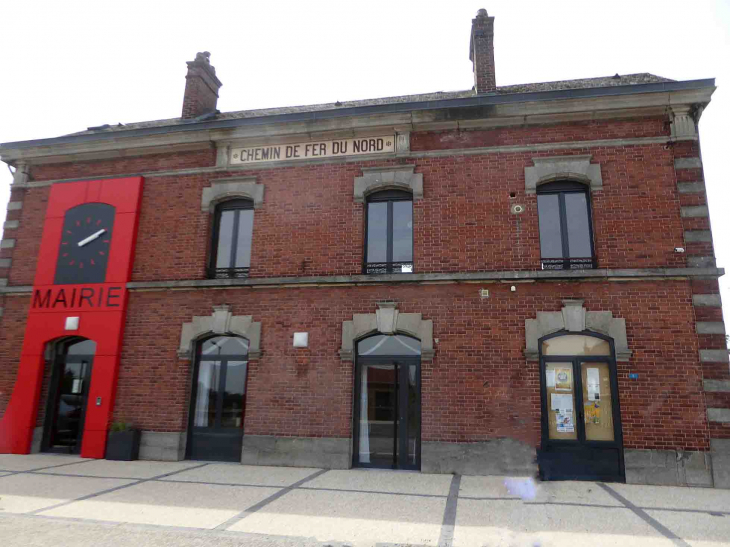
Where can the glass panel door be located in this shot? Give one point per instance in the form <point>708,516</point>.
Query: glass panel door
<point>378,415</point>
<point>68,397</point>
<point>560,389</point>
<point>597,405</point>
<point>217,410</point>
<point>389,415</point>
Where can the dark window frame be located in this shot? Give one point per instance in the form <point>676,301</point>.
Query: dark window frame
<point>220,438</point>
<point>230,272</point>
<point>566,262</point>
<point>388,267</point>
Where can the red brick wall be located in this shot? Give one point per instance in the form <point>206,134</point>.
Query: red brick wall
<point>12,331</point>
<point>478,386</point>
<point>521,136</point>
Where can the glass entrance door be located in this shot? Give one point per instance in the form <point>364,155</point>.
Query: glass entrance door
<point>68,396</point>
<point>581,423</point>
<point>388,404</point>
<point>218,402</point>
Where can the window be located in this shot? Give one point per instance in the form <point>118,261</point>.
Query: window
<point>566,238</point>
<point>389,233</point>
<point>232,231</point>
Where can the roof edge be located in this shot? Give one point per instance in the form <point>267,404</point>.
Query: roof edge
<point>477,100</point>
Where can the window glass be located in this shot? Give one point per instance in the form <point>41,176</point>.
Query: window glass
<point>84,347</point>
<point>224,345</point>
<point>402,231</point>
<point>245,231</point>
<point>579,235</point>
<point>559,386</point>
<point>389,345</point>
<point>597,406</point>
<point>575,344</point>
<point>548,209</point>
<point>225,239</point>
<point>377,232</point>
<point>233,394</point>
<point>207,393</point>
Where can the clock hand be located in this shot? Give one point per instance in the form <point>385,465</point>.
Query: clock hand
<point>91,238</point>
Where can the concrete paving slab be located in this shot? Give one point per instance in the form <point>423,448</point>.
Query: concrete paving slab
<point>383,481</point>
<point>4,474</point>
<point>697,529</point>
<point>676,497</point>
<point>353,518</point>
<point>24,493</point>
<point>167,504</point>
<point>234,473</point>
<point>21,531</point>
<point>132,470</point>
<point>573,492</point>
<point>481,523</point>
<point>26,462</point>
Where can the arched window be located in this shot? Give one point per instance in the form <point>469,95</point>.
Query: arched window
<point>232,232</point>
<point>218,401</point>
<point>566,236</point>
<point>389,233</point>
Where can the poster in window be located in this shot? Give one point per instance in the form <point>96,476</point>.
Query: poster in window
<point>565,421</point>
<point>563,379</point>
<point>593,384</point>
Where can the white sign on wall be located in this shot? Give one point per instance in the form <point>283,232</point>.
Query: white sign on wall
<point>313,150</point>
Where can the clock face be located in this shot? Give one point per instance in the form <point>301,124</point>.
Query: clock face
<point>85,242</point>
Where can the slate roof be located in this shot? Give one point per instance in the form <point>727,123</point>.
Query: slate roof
<point>586,83</point>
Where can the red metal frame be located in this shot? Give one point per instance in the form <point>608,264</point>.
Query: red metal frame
<point>103,323</point>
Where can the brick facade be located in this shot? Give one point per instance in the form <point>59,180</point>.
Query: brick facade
<point>306,263</point>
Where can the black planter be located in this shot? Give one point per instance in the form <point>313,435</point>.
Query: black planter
<point>123,445</point>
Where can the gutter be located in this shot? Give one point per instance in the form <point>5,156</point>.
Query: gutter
<point>476,101</point>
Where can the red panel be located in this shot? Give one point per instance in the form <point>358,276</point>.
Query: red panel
<point>64,196</point>
<point>93,191</point>
<point>124,194</point>
<point>119,264</point>
<point>102,323</point>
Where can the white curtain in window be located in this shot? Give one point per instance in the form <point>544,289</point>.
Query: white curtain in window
<point>206,375</point>
<point>364,433</point>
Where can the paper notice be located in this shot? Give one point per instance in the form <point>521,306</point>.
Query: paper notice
<point>550,378</point>
<point>563,379</point>
<point>593,384</point>
<point>565,421</point>
<point>561,402</point>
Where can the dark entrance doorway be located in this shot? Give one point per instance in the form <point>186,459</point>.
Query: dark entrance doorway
<point>388,403</point>
<point>581,421</point>
<point>68,395</point>
<point>218,400</point>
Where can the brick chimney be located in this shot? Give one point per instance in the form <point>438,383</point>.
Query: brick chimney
<point>481,52</point>
<point>201,87</point>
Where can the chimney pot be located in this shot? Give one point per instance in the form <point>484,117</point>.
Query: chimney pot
<point>201,87</point>
<point>481,52</point>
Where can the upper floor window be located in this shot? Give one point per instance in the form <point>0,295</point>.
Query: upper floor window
<point>389,233</point>
<point>232,231</point>
<point>566,237</point>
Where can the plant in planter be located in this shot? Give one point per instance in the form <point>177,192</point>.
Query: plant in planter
<point>123,442</point>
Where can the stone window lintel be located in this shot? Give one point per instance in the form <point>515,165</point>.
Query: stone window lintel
<point>398,177</point>
<point>231,188</point>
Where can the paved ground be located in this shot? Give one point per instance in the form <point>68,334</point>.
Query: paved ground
<point>62,500</point>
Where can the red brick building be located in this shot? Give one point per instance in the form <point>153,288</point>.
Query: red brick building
<point>464,282</point>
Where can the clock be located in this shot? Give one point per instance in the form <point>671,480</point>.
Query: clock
<point>85,242</point>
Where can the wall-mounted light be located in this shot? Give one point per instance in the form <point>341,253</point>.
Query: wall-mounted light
<point>301,339</point>
<point>72,323</point>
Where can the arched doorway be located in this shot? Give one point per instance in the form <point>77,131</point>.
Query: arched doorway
<point>388,402</point>
<point>581,421</point>
<point>68,395</point>
<point>215,430</point>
